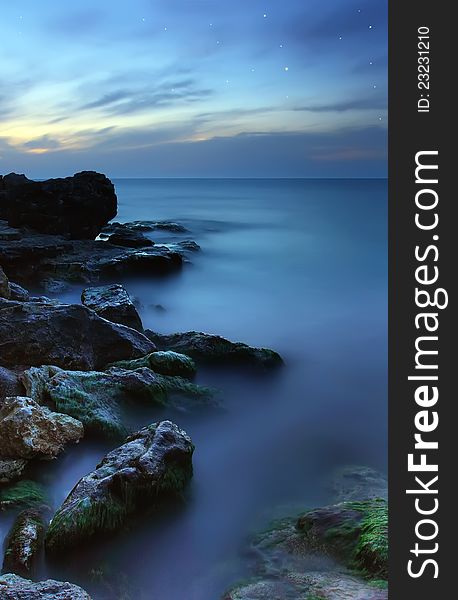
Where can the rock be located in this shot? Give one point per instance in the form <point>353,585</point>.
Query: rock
<point>207,348</point>
<point>38,257</point>
<point>8,233</point>
<point>98,399</point>
<point>10,384</point>
<point>123,235</point>
<point>13,587</point>
<point>354,532</point>
<point>5,291</point>
<point>145,226</point>
<point>23,494</point>
<point>112,302</point>
<point>28,430</point>
<point>18,293</point>
<point>23,543</point>
<point>164,363</point>
<point>11,469</point>
<point>66,335</point>
<point>78,206</point>
<point>153,465</point>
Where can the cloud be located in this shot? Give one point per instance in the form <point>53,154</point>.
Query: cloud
<point>44,143</point>
<point>377,103</point>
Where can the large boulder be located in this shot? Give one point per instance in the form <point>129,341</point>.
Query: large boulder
<point>99,399</point>
<point>66,335</point>
<point>23,543</point>
<point>13,587</point>
<point>78,206</point>
<point>28,430</point>
<point>207,348</point>
<point>153,465</point>
<point>112,302</point>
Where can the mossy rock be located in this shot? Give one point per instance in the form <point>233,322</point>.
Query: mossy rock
<point>163,363</point>
<point>23,494</point>
<point>24,542</point>
<point>354,532</point>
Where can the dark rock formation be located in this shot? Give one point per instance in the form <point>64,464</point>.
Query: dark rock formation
<point>152,465</point>
<point>37,257</point>
<point>207,348</point>
<point>28,430</point>
<point>112,302</point>
<point>23,543</point>
<point>146,226</point>
<point>66,335</point>
<point>18,293</point>
<point>5,291</point>
<point>123,235</point>
<point>78,206</point>
<point>13,587</point>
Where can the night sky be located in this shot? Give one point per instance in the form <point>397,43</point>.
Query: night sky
<point>194,88</point>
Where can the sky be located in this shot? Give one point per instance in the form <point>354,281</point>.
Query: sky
<point>194,88</point>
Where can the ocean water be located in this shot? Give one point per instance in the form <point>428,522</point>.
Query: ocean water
<point>296,265</point>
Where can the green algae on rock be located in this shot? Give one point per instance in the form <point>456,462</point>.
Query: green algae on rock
<point>96,398</point>
<point>24,542</point>
<point>23,494</point>
<point>154,464</point>
<point>207,348</point>
<point>164,363</point>
<point>355,532</point>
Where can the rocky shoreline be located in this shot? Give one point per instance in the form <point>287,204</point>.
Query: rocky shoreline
<point>67,371</point>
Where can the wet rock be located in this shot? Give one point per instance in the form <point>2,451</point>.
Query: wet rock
<point>164,363</point>
<point>10,384</point>
<point>66,335</point>
<point>38,257</point>
<point>123,235</point>
<point>5,291</point>
<point>355,532</point>
<point>207,348</point>
<point>28,430</point>
<point>153,464</point>
<point>112,302</point>
<point>23,494</point>
<point>8,233</point>
<point>18,293</point>
<point>11,469</point>
<point>145,226</point>
<point>24,542</point>
<point>13,587</point>
<point>78,206</point>
<point>97,399</point>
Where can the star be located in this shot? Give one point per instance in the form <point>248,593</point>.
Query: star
<point>370,26</point>
<point>370,62</point>
<point>281,45</point>
<point>286,68</point>
<point>374,86</point>
<point>340,37</point>
<point>265,16</point>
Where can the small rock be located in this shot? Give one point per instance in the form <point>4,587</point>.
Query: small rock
<point>207,348</point>
<point>112,302</point>
<point>18,293</point>
<point>23,543</point>
<point>28,430</point>
<point>153,465</point>
<point>13,587</point>
<point>10,384</point>
<point>164,363</point>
